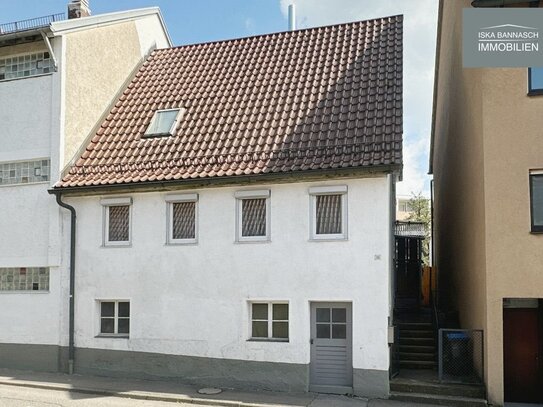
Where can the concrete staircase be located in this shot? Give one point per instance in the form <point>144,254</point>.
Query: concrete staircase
<point>418,381</point>
<point>418,348</point>
<point>432,392</point>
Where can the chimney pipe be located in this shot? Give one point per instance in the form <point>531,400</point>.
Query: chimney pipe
<point>78,9</point>
<point>291,17</point>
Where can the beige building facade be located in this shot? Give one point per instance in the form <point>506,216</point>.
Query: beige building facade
<point>486,143</point>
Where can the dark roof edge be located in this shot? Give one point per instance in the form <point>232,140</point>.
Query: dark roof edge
<point>279,32</point>
<point>436,83</point>
<point>288,177</point>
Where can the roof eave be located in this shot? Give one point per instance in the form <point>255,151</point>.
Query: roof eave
<point>285,177</point>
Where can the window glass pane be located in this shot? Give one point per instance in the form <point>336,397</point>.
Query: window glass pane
<point>537,199</point>
<point>253,217</point>
<point>107,325</point>
<point>162,122</point>
<point>124,309</point>
<point>323,330</point>
<point>536,78</point>
<point>119,220</point>
<point>339,315</point>
<point>280,330</point>
<point>107,309</point>
<point>328,214</point>
<point>184,220</point>
<point>339,331</point>
<point>260,329</point>
<point>260,311</point>
<point>323,314</point>
<point>123,325</point>
<point>280,312</point>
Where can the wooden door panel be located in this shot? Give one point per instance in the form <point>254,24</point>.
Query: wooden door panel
<point>521,344</point>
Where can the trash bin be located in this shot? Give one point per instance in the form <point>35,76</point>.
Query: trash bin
<point>458,354</point>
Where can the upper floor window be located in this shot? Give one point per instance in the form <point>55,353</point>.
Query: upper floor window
<point>24,172</point>
<point>24,279</point>
<point>163,123</point>
<point>535,81</point>
<point>253,215</point>
<point>182,218</point>
<point>328,212</point>
<point>536,201</point>
<point>117,221</point>
<point>22,66</point>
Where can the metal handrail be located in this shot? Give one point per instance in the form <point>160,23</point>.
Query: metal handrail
<point>30,24</point>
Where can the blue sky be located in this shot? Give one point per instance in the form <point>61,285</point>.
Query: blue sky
<point>207,20</point>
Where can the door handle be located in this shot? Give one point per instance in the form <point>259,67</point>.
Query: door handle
<point>311,341</point>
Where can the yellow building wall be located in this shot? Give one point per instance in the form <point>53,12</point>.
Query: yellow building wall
<point>99,62</point>
<point>488,135</point>
<point>513,145</point>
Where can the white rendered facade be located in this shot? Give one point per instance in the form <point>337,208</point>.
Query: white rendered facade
<point>193,300</point>
<point>34,115</point>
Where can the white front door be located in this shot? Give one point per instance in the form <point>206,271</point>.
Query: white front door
<point>331,348</point>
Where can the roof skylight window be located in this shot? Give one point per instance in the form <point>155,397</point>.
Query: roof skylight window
<point>164,123</point>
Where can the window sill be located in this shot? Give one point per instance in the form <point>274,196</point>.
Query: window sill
<point>113,336</point>
<point>2,292</point>
<point>182,243</point>
<point>268,340</point>
<point>329,239</point>
<point>536,231</point>
<point>21,184</point>
<point>244,241</point>
<point>26,77</point>
<point>116,246</point>
<point>535,92</point>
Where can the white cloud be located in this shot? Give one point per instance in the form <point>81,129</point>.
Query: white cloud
<point>420,18</point>
<point>250,25</point>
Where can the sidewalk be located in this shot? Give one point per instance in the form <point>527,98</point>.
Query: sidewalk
<point>169,391</point>
<point>175,392</point>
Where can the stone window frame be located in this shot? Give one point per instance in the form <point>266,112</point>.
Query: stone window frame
<point>252,194</point>
<point>106,204</point>
<point>270,321</point>
<point>181,198</point>
<point>314,192</point>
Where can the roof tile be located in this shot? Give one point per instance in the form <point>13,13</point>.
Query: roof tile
<point>313,99</point>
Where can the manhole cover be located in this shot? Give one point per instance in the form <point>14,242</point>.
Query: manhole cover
<point>210,390</point>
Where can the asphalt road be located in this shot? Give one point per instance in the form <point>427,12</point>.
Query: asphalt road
<point>14,396</point>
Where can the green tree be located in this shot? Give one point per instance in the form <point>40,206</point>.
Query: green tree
<point>419,208</point>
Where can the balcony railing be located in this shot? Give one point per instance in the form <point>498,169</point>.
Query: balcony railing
<point>31,24</point>
<point>410,229</point>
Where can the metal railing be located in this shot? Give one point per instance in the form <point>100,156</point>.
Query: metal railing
<point>30,24</point>
<point>410,229</point>
<point>461,358</point>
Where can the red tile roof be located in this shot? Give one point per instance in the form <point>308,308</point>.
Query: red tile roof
<point>315,99</point>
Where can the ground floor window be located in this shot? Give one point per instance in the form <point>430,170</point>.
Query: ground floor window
<point>115,318</point>
<point>269,320</point>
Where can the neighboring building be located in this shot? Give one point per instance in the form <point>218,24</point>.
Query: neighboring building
<point>57,78</point>
<point>487,157</point>
<point>235,214</point>
<point>403,208</point>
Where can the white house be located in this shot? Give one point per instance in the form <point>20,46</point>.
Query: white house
<point>50,100</point>
<point>235,211</point>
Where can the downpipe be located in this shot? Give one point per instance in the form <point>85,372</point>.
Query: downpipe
<point>73,216</point>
